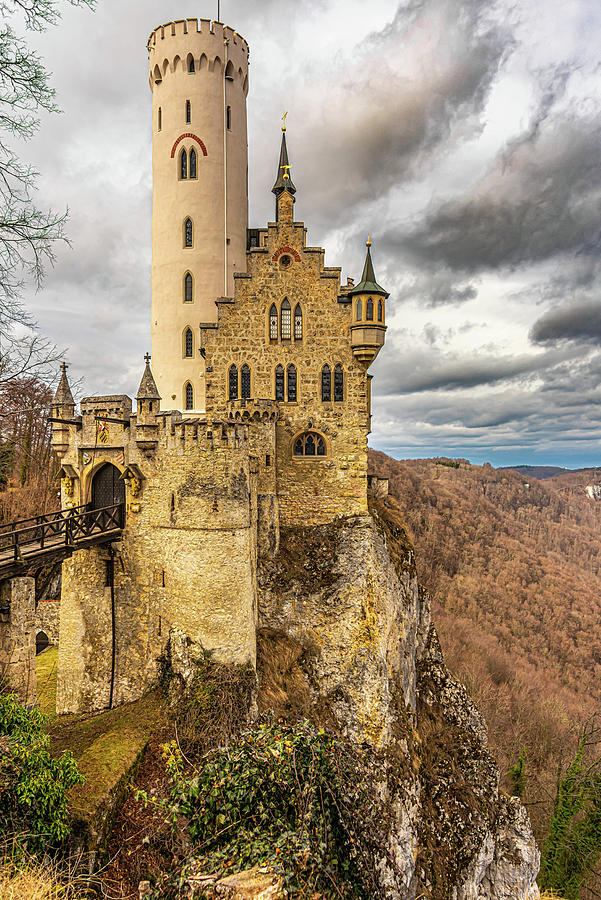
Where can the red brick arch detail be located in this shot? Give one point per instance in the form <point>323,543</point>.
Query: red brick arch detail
<point>194,138</point>
<point>282,250</point>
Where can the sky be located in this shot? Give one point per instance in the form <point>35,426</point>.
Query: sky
<point>463,135</point>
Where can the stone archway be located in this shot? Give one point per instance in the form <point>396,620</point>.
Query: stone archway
<point>108,488</point>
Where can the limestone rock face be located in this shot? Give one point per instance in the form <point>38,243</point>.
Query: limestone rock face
<point>344,635</point>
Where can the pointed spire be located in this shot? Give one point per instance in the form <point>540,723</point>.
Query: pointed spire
<point>368,283</point>
<point>283,181</point>
<point>148,389</point>
<point>63,392</point>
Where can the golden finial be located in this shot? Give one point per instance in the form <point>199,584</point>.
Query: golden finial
<point>368,242</point>
<point>284,121</point>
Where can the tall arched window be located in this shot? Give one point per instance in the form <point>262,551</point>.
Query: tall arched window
<point>192,163</point>
<point>183,164</point>
<point>188,233</point>
<point>188,288</point>
<point>191,66</point>
<point>309,444</point>
<point>292,383</point>
<point>369,309</point>
<point>189,392</point>
<point>188,342</point>
<point>380,311</point>
<point>359,309</point>
<point>160,117</point>
<point>286,321</point>
<point>326,384</point>
<point>188,112</point>
<point>298,323</point>
<point>279,383</point>
<point>233,383</point>
<point>273,323</point>
<point>245,382</point>
<point>338,384</point>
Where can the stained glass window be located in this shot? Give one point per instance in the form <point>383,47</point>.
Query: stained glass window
<point>233,383</point>
<point>359,309</point>
<point>369,309</point>
<point>309,444</point>
<point>189,341</point>
<point>291,384</point>
<point>298,323</point>
<point>189,396</point>
<point>338,384</point>
<point>273,323</point>
<point>245,382</point>
<point>279,383</point>
<point>192,163</point>
<point>326,384</point>
<point>188,288</point>
<point>380,311</point>
<point>188,233</point>
<point>183,165</point>
<point>286,321</point>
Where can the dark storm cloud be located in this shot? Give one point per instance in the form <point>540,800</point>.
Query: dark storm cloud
<point>541,198</point>
<point>576,322</point>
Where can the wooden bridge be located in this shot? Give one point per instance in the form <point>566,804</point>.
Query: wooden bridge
<point>40,538</point>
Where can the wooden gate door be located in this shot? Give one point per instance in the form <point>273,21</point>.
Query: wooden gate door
<point>108,487</point>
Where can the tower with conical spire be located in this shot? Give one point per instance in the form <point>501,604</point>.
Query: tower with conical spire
<point>63,408</point>
<point>368,329</point>
<point>283,182</point>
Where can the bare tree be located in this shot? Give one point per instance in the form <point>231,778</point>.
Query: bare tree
<point>28,235</point>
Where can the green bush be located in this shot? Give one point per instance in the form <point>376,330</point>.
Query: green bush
<point>293,797</point>
<point>33,785</point>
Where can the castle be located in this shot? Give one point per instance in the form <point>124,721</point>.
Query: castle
<point>254,416</point>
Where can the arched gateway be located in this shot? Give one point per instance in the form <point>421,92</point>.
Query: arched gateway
<point>108,488</point>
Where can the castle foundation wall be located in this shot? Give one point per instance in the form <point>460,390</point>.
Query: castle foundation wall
<point>17,637</point>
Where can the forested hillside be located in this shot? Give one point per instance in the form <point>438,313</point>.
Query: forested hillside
<point>514,569</point>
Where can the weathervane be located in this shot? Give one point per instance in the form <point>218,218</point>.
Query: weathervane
<point>284,121</point>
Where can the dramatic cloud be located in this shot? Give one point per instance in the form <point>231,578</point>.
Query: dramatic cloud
<point>581,322</point>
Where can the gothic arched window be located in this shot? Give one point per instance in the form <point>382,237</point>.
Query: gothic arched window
<point>380,311</point>
<point>359,309</point>
<point>286,321</point>
<point>188,288</point>
<point>188,342</point>
<point>273,323</point>
<point>338,384</point>
<point>245,382</point>
<point>188,233</point>
<point>292,384</point>
<point>279,383</point>
<point>191,66</point>
<point>369,309</point>
<point>192,163</point>
<point>298,323</point>
<point>309,444</point>
<point>188,112</point>
<point>183,164</point>
<point>326,384</point>
<point>233,383</point>
<point>189,392</point>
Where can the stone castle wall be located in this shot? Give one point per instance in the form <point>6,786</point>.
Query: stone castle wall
<point>17,637</point>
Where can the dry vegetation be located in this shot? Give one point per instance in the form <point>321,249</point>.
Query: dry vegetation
<point>514,569</point>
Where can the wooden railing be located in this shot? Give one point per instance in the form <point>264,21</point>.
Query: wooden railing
<point>66,528</point>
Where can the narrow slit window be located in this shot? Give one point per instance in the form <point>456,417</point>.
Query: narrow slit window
<point>273,323</point>
<point>286,321</point>
<point>188,233</point>
<point>183,165</point>
<point>279,383</point>
<point>298,323</point>
<point>359,309</point>
<point>245,382</point>
<point>228,118</point>
<point>188,112</point>
<point>292,384</point>
<point>233,383</point>
<point>338,384</point>
<point>380,311</point>
<point>160,118</point>
<point>189,343</point>
<point>189,405</point>
<point>192,163</point>
<point>326,384</point>
<point>188,288</point>
<point>369,309</point>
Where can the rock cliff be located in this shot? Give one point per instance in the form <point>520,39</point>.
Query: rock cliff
<point>345,637</point>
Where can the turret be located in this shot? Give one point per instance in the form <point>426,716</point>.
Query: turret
<point>148,406</point>
<point>368,329</point>
<point>199,81</point>
<point>63,409</point>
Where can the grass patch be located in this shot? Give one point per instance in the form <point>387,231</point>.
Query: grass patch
<point>46,665</point>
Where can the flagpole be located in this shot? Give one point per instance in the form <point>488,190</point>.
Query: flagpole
<point>219,10</point>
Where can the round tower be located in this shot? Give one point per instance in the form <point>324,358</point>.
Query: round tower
<point>199,83</point>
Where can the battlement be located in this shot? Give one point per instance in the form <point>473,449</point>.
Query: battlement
<point>255,409</point>
<point>117,405</point>
<point>207,43</point>
<point>199,432</point>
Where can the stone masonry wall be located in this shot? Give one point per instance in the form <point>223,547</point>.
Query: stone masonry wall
<point>17,637</point>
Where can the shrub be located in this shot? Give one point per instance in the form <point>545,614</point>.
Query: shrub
<point>33,785</point>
